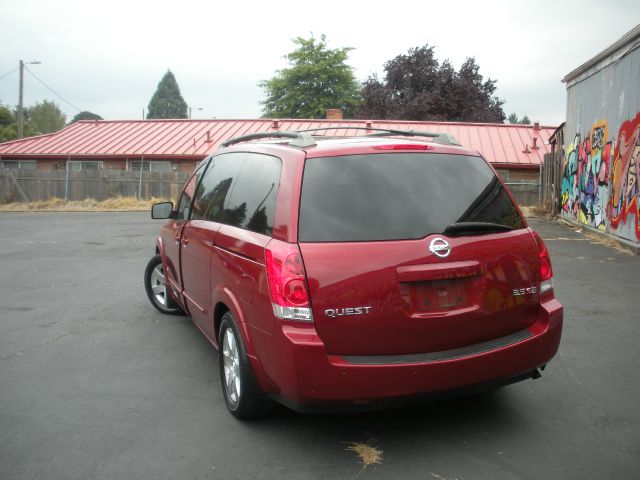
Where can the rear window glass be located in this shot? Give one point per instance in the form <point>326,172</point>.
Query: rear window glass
<point>398,196</point>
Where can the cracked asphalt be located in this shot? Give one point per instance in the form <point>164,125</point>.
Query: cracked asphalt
<point>96,384</point>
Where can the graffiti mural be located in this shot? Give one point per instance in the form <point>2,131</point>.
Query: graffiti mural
<point>625,175</point>
<point>585,180</point>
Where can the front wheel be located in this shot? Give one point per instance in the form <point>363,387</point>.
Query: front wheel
<point>242,394</point>
<point>155,284</point>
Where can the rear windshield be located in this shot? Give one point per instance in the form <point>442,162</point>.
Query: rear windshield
<point>398,196</point>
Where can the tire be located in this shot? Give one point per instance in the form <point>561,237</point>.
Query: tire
<point>156,287</point>
<point>241,392</point>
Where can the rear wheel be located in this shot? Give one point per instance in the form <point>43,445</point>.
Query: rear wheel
<point>242,394</point>
<point>155,284</point>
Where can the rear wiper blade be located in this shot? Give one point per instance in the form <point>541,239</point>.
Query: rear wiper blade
<point>474,228</point>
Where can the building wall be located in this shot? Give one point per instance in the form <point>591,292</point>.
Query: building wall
<point>602,149</point>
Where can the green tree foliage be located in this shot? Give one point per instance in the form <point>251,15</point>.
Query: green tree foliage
<point>6,117</point>
<point>318,78</point>
<point>46,117</point>
<point>417,86</point>
<point>85,116</point>
<point>167,101</point>
<point>513,119</point>
<point>9,125</point>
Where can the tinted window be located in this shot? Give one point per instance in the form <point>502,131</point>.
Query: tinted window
<point>184,201</point>
<point>253,199</point>
<point>398,196</point>
<point>214,190</point>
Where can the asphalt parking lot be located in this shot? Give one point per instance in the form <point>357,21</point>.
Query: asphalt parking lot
<point>96,384</point>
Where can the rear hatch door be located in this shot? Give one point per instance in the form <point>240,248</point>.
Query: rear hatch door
<point>413,252</point>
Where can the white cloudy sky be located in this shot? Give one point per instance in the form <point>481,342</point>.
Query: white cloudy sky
<point>107,57</point>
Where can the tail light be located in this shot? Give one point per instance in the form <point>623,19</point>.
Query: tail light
<point>405,146</point>
<point>546,271</point>
<point>287,282</point>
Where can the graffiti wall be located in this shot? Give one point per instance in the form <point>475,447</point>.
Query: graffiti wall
<point>599,182</point>
<point>585,181</point>
<point>623,205</point>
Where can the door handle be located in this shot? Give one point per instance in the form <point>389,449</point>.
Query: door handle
<point>185,241</point>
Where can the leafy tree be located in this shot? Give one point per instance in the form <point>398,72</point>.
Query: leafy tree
<point>85,116</point>
<point>6,117</point>
<point>167,101</point>
<point>9,125</point>
<point>418,87</point>
<point>513,119</point>
<point>318,78</point>
<point>46,117</point>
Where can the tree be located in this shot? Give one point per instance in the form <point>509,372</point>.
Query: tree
<point>9,125</point>
<point>318,78</point>
<point>418,87</point>
<point>46,117</point>
<point>6,117</point>
<point>85,116</point>
<point>167,101</point>
<point>513,119</point>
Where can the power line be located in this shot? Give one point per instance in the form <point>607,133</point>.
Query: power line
<point>52,90</point>
<point>7,74</point>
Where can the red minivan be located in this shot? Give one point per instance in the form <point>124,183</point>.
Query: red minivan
<point>339,272</point>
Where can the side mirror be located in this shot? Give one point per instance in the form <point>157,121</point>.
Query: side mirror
<point>162,210</point>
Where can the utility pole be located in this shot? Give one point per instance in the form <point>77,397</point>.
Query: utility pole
<point>20,113</point>
<point>20,95</point>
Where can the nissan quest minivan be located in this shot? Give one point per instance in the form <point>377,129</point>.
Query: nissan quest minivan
<point>355,272</point>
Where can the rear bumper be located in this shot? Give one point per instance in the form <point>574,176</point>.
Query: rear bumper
<point>303,376</point>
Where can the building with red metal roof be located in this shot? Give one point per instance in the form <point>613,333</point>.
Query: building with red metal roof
<point>164,145</point>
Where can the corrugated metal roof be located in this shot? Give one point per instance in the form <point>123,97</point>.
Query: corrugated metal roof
<point>501,144</point>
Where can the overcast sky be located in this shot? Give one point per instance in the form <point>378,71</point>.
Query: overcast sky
<point>107,57</point>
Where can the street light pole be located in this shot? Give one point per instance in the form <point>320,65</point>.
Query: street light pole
<point>20,95</point>
<point>20,114</point>
<point>195,108</point>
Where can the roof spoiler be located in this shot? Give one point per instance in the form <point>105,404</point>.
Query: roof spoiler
<point>299,139</point>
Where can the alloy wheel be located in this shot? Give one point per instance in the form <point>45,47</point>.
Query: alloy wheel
<point>231,364</point>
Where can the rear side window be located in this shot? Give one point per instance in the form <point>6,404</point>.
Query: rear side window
<point>398,196</point>
<point>253,200</point>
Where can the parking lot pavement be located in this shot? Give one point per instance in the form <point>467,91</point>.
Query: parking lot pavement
<point>94,383</point>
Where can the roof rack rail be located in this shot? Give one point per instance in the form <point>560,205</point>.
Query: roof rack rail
<point>300,139</point>
<point>442,138</point>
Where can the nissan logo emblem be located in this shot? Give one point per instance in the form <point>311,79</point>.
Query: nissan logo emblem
<point>439,247</point>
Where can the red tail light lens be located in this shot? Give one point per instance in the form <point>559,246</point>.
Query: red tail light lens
<point>287,282</point>
<point>546,271</point>
<point>405,146</point>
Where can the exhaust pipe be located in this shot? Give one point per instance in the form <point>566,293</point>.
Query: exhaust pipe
<point>536,373</point>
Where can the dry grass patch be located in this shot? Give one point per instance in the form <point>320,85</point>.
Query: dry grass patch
<point>368,455</point>
<point>88,205</point>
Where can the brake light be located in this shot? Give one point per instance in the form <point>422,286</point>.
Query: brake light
<point>546,271</point>
<point>405,146</point>
<point>287,282</point>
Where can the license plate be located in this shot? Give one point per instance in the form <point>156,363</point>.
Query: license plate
<point>439,295</point>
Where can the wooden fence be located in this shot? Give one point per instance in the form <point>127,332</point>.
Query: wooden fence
<point>552,181</point>
<point>526,193</point>
<point>28,185</point>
